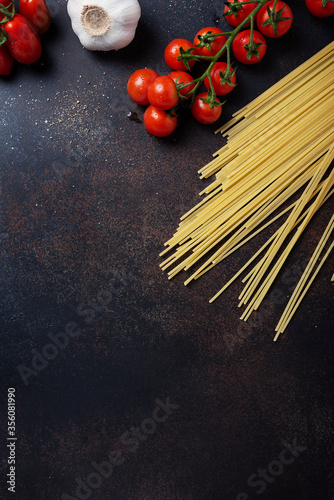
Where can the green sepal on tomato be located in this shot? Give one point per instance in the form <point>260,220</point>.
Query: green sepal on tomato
<point>37,13</point>
<point>207,44</point>
<point>183,82</point>
<point>223,80</point>
<point>249,51</point>
<point>274,23</point>
<point>204,111</point>
<point>174,49</point>
<point>235,14</point>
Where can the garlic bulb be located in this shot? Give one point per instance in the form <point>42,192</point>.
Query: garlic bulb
<point>104,24</point>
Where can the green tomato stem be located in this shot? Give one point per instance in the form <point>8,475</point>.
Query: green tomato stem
<point>211,85</point>
<point>8,12</point>
<point>228,58</point>
<point>251,34</point>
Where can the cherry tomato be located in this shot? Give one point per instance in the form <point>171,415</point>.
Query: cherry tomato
<point>181,77</point>
<point>219,73</point>
<point>23,40</point>
<point>316,8</point>
<point>279,21</point>
<point>214,46</point>
<point>5,3</point>
<point>158,122</point>
<point>6,60</point>
<point>172,52</point>
<point>239,13</point>
<point>242,50</point>
<point>37,13</point>
<point>203,112</point>
<point>138,84</point>
<point>162,93</point>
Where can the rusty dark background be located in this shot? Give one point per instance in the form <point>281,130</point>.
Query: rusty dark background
<point>87,200</point>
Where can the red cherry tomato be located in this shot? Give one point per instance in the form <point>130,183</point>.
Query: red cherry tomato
<point>203,112</point>
<point>316,8</point>
<point>158,122</point>
<point>281,19</point>
<point>6,60</point>
<point>23,40</point>
<point>243,52</point>
<point>37,13</point>
<point>172,52</point>
<point>214,46</point>
<point>5,3</point>
<point>138,84</point>
<point>218,73</point>
<point>162,93</point>
<point>239,13</point>
<point>181,77</point>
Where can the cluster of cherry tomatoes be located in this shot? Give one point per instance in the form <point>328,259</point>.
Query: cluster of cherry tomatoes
<point>163,94</point>
<point>19,32</point>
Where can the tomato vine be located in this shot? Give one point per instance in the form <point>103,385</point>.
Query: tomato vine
<point>187,55</point>
<point>210,43</point>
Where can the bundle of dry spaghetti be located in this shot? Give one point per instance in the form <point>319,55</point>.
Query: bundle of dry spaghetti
<point>279,144</point>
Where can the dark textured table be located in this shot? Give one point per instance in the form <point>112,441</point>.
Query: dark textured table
<point>129,386</point>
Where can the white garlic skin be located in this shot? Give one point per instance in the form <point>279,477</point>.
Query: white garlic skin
<point>123,20</point>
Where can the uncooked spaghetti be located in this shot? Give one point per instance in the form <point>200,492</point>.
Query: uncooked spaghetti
<point>277,145</point>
